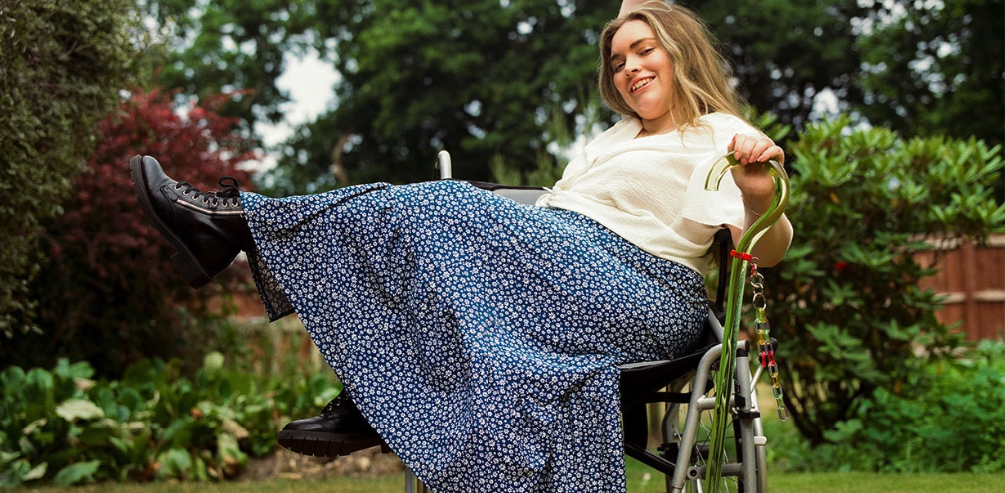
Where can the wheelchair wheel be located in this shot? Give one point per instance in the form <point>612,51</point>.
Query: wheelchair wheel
<point>732,480</point>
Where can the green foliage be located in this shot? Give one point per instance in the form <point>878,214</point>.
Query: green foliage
<point>230,45</point>
<point>481,78</point>
<point>846,305</point>
<point>936,68</point>
<point>61,425</point>
<point>476,77</point>
<point>786,52</point>
<point>948,419</point>
<point>89,304</point>
<point>61,67</point>
<point>920,68</point>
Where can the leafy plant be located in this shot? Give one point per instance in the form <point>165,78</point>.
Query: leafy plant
<point>948,421</point>
<point>60,425</point>
<point>857,332</point>
<point>61,67</point>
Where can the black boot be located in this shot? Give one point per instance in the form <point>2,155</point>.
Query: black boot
<point>207,229</point>
<point>340,430</point>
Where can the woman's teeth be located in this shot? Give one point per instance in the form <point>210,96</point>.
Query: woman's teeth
<point>642,83</point>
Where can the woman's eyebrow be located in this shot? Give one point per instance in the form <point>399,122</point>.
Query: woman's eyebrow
<point>640,41</point>
<point>632,46</point>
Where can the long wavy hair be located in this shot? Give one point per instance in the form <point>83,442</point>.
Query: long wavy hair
<point>701,82</point>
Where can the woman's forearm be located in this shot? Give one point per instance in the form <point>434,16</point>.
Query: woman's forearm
<point>771,248</point>
<point>630,5</point>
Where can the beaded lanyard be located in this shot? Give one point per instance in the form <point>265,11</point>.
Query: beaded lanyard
<point>765,346</point>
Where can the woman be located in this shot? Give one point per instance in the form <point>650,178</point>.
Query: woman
<point>480,337</point>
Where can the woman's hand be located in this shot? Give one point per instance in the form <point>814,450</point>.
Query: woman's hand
<point>758,189</point>
<point>754,182</point>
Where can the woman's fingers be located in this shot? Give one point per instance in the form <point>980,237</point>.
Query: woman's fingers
<point>773,152</point>
<point>750,149</point>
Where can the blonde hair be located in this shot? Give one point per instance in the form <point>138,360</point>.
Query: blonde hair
<point>701,82</point>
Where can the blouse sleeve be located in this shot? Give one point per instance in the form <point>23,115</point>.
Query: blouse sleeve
<point>723,207</point>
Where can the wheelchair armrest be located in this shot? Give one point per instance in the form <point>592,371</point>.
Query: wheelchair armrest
<point>522,195</point>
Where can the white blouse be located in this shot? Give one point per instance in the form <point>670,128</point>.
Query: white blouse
<point>651,190</point>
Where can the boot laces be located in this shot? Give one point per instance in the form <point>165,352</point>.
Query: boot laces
<point>336,403</point>
<point>231,193</point>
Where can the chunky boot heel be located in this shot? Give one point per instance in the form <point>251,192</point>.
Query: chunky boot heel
<point>189,269</point>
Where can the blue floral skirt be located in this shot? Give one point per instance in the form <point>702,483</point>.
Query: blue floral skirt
<point>479,337</point>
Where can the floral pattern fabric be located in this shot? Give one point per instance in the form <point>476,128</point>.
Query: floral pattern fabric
<point>479,336</point>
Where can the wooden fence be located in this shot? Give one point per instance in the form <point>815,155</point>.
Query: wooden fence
<point>972,279</point>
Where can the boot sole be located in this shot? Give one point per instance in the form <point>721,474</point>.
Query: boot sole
<point>183,259</point>
<point>326,444</point>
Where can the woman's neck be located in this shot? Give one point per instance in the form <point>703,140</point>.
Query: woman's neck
<point>662,125</point>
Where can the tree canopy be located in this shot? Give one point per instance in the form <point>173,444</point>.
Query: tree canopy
<point>498,79</point>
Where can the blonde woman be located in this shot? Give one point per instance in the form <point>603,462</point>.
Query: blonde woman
<point>480,338</point>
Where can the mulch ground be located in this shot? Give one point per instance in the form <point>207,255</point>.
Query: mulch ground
<point>283,464</point>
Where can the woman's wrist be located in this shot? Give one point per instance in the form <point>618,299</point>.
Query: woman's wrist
<point>757,210</point>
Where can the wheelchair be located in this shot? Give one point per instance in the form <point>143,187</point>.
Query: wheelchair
<point>685,389</point>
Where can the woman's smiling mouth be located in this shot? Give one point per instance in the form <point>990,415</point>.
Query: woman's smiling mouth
<point>641,83</point>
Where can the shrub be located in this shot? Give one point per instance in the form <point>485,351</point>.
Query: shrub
<point>61,67</point>
<point>109,294</point>
<point>60,425</point>
<point>953,424</point>
<point>858,336</point>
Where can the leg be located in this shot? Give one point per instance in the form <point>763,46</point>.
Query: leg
<point>208,229</point>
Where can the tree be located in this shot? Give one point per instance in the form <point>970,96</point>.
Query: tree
<point>484,79</point>
<point>109,294</point>
<point>231,46</point>
<point>61,67</point>
<point>936,68</point>
<point>786,53</point>
<point>491,81</point>
<point>480,77</point>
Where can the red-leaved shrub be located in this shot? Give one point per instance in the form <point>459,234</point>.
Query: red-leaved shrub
<point>109,294</point>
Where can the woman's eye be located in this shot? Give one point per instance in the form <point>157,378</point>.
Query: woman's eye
<point>618,66</point>
<point>648,51</point>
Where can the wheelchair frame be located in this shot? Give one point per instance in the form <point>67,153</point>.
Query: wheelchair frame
<point>686,388</point>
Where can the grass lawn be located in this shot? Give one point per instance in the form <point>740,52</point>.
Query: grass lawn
<point>388,484</point>
<point>639,481</point>
<point>886,483</point>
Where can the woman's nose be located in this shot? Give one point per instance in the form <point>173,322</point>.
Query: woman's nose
<point>631,66</point>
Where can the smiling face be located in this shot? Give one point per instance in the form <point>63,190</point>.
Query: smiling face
<point>643,75</point>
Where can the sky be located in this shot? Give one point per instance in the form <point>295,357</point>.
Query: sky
<point>309,82</point>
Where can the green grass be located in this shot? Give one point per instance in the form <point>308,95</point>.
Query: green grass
<point>638,482</point>
<point>860,482</point>
<point>387,484</point>
<point>641,480</point>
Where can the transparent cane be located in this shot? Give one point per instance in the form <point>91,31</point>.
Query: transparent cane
<point>734,302</point>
